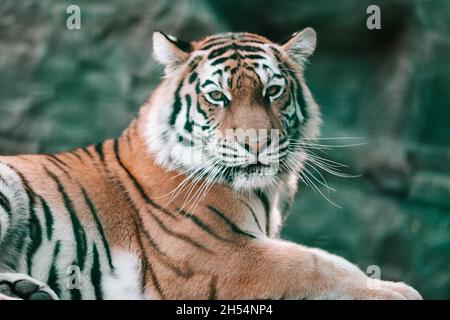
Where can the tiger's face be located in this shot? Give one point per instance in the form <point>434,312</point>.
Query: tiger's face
<point>233,107</point>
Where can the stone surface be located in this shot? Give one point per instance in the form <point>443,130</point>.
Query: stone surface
<point>431,189</point>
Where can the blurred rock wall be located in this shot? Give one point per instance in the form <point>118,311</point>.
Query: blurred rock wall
<point>63,88</point>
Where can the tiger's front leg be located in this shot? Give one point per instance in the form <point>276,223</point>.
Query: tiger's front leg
<point>273,269</point>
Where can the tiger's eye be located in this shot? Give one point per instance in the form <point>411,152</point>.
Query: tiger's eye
<point>273,90</point>
<point>216,95</point>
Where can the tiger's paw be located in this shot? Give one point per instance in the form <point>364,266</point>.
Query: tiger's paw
<point>387,290</point>
<point>15,286</point>
<point>406,292</point>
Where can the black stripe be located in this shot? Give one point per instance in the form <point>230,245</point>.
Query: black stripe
<point>265,202</point>
<point>181,236</point>
<point>218,37</point>
<point>136,183</point>
<point>254,57</point>
<point>222,50</point>
<point>301,101</point>
<point>233,56</point>
<point>251,41</point>
<point>252,69</point>
<point>53,279</point>
<point>253,215</point>
<point>277,54</point>
<point>88,153</point>
<point>146,265</point>
<point>233,72</point>
<point>77,228</point>
<point>4,203</point>
<point>155,279</point>
<point>194,63</point>
<point>99,226</point>
<point>128,137</point>
<point>34,227</point>
<point>209,45</point>
<point>278,76</point>
<point>294,117</point>
<point>213,288</point>
<point>204,84</point>
<point>96,275</point>
<point>299,95</point>
<point>193,77</point>
<point>182,45</point>
<point>99,149</point>
<point>188,123</point>
<point>160,223</point>
<point>203,225</point>
<point>199,109</point>
<point>35,233</point>
<point>230,224</point>
<point>244,35</point>
<point>75,154</point>
<point>266,67</point>
<point>237,56</point>
<point>219,51</point>
<point>48,218</point>
<point>49,158</point>
<point>165,259</point>
<point>57,159</point>
<point>31,203</point>
<point>219,72</point>
<point>176,107</point>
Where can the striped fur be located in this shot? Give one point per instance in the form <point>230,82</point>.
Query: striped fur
<point>144,216</point>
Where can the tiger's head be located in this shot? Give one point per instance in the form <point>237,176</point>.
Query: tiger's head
<point>232,108</point>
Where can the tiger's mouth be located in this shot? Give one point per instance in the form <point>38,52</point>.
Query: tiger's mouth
<point>251,176</point>
<point>254,168</point>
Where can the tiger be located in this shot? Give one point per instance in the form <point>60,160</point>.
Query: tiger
<point>182,205</point>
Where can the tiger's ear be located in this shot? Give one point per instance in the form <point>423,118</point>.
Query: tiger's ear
<point>170,51</point>
<point>301,45</point>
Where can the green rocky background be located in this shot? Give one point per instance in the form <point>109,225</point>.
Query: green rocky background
<point>63,88</point>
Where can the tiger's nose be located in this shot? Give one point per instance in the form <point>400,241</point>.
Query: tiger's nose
<point>254,148</point>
